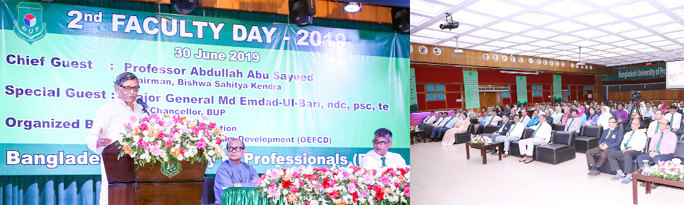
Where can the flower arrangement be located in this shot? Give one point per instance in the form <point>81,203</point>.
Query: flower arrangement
<point>168,138</point>
<point>480,140</point>
<point>345,185</point>
<point>414,129</point>
<point>666,170</point>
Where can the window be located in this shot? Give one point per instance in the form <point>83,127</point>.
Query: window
<point>435,92</point>
<point>536,91</point>
<point>506,94</point>
<point>588,88</point>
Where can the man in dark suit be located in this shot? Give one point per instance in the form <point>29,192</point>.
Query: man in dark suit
<point>610,141</point>
<point>503,129</point>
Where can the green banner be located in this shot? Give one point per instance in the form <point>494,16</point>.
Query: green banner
<point>412,92</point>
<point>557,88</point>
<point>521,85</point>
<point>295,96</point>
<point>640,73</point>
<point>472,90</point>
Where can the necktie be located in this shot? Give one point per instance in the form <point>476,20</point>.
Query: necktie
<point>630,138</point>
<point>660,140</point>
<point>490,120</point>
<point>618,114</point>
<point>671,118</point>
<point>428,118</point>
<point>501,128</point>
<point>383,161</point>
<point>657,126</point>
<point>535,132</point>
<point>609,131</point>
<point>448,121</point>
<point>568,126</point>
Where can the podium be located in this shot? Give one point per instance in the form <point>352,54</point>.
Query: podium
<point>148,185</point>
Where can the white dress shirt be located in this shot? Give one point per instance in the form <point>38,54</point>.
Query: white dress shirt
<point>438,121</point>
<point>444,122</point>
<point>111,117</point>
<point>676,120</point>
<point>517,130</point>
<point>652,128</point>
<point>494,121</point>
<point>543,132</point>
<point>372,160</point>
<point>525,120</point>
<point>429,120</point>
<point>637,143</point>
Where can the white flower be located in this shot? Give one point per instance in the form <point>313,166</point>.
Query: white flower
<point>146,133</point>
<point>211,153</point>
<point>314,202</point>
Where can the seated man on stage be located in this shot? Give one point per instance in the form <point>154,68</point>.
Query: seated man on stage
<point>610,141</point>
<point>631,147</point>
<point>509,132</point>
<point>234,172</point>
<point>429,119</point>
<point>437,132</point>
<point>379,156</point>
<point>492,119</point>
<point>662,146</point>
<point>573,124</point>
<point>442,124</point>
<point>428,127</point>
<point>540,136</point>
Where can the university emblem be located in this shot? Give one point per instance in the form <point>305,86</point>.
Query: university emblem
<point>29,25</point>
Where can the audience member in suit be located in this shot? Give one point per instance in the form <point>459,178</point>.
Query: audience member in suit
<point>631,146</point>
<point>674,118</point>
<point>446,124</point>
<point>549,119</point>
<point>540,136</point>
<point>654,127</point>
<point>610,141</point>
<point>662,147</point>
<point>512,134</point>
<point>460,127</point>
<point>574,123</point>
<point>503,128</point>
<point>506,111</point>
<point>492,119</point>
<point>636,115</point>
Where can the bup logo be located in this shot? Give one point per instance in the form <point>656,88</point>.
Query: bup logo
<point>30,26</point>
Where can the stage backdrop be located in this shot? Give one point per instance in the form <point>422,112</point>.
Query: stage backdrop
<point>295,96</point>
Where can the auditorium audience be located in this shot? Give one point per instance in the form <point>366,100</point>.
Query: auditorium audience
<point>605,116</point>
<point>442,124</point>
<point>513,134</point>
<point>491,119</point>
<point>574,123</point>
<point>523,116</point>
<point>534,120</point>
<point>557,114</point>
<point>592,118</point>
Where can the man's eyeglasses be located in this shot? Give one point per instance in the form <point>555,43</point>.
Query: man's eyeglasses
<point>612,122</point>
<point>383,143</point>
<point>236,149</point>
<point>131,88</point>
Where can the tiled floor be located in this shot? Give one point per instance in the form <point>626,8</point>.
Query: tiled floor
<point>443,175</point>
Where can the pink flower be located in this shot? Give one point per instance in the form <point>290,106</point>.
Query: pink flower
<point>272,192</point>
<point>161,134</point>
<point>160,122</point>
<point>294,189</point>
<point>143,144</point>
<point>202,126</point>
<point>345,175</point>
<point>143,127</point>
<point>168,143</point>
<point>201,144</point>
<point>195,131</point>
<point>176,119</point>
<point>385,180</point>
<point>205,117</point>
<point>407,191</point>
<point>218,141</point>
<point>352,188</point>
<point>145,119</point>
<point>367,179</point>
<point>155,150</point>
<point>182,150</point>
<point>128,126</point>
<point>212,125</point>
<point>133,119</point>
<point>295,175</point>
<point>363,194</point>
<point>274,174</point>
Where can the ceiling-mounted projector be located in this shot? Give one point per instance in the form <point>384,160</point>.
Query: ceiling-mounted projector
<point>450,23</point>
<point>458,51</point>
<point>580,63</point>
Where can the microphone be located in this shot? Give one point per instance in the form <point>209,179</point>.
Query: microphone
<point>143,104</point>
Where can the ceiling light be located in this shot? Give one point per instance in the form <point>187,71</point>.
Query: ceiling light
<point>495,8</point>
<point>654,19</point>
<point>596,18</point>
<point>635,9</point>
<point>470,18</point>
<point>427,8</point>
<point>352,7</point>
<point>417,20</point>
<point>535,18</point>
<point>567,8</point>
